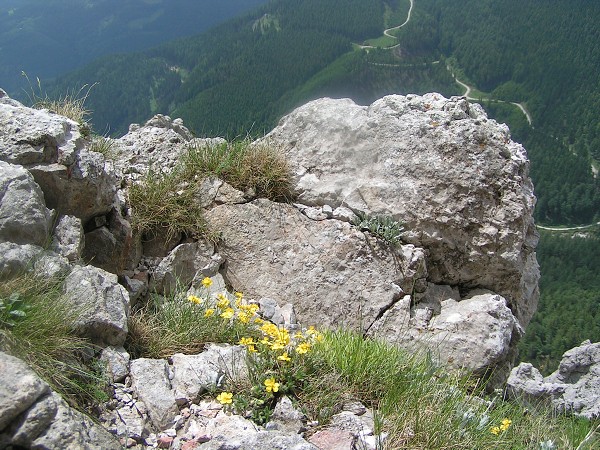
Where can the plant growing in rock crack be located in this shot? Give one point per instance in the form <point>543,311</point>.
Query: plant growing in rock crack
<point>384,228</point>
<point>184,322</point>
<point>277,366</point>
<point>37,324</point>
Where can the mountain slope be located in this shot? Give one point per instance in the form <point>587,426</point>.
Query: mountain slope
<point>47,38</point>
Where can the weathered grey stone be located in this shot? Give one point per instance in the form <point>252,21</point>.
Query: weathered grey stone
<point>181,266</point>
<point>72,430</point>
<point>34,421</point>
<point>51,265</point>
<point>24,218</point>
<point>20,388</point>
<point>85,189</point>
<point>573,388</point>
<point>16,259</point>
<point>32,416</point>
<point>68,238</point>
<point>31,136</point>
<point>475,333</point>
<point>461,189</point>
<point>286,418</point>
<point>103,304</point>
<point>150,380</point>
<point>117,362</point>
<point>327,269</point>
<point>196,374</point>
<point>228,194</point>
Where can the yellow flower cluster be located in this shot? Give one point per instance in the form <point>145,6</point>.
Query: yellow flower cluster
<point>222,305</point>
<point>504,425</point>
<point>225,398</point>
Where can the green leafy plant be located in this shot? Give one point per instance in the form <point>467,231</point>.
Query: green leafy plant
<point>384,228</point>
<point>12,309</point>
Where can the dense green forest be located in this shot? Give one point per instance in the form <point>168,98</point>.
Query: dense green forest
<point>46,38</point>
<point>243,75</point>
<point>569,309</point>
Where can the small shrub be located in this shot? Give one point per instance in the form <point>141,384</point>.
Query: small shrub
<point>101,144</point>
<point>384,228</point>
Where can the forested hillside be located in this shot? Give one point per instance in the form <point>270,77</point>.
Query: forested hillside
<point>46,38</point>
<point>243,75</point>
<point>569,310</point>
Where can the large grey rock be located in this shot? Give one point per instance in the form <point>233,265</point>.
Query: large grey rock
<point>440,166</point>
<point>328,270</point>
<point>196,374</point>
<point>74,181</point>
<point>573,388</point>
<point>20,388</point>
<point>102,303</point>
<point>181,266</point>
<point>150,379</point>
<point>30,136</point>
<point>24,218</point>
<point>16,259</point>
<point>32,416</point>
<point>84,189</point>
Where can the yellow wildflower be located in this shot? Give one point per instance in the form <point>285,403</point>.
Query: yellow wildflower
<point>252,349</point>
<point>228,313</point>
<point>244,317</point>
<point>225,398</point>
<point>270,329</point>
<point>277,345</point>
<point>311,331</point>
<point>505,424</point>
<point>194,299</point>
<point>284,357</point>
<point>258,320</point>
<point>209,312</point>
<point>207,282</point>
<point>222,301</point>
<point>239,295</point>
<point>303,348</point>
<point>271,385</point>
<point>246,341</point>
<point>298,335</point>
<point>495,430</point>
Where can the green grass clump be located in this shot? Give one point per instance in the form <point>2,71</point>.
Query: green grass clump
<point>166,202</point>
<point>70,105</point>
<point>259,169</point>
<point>37,326</point>
<point>169,202</point>
<point>184,324</point>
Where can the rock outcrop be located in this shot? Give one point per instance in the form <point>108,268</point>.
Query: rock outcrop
<point>573,388</point>
<point>462,282</point>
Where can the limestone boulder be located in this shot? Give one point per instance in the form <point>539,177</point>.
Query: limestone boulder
<point>330,271</point>
<point>16,259</point>
<point>452,176</point>
<point>68,238</point>
<point>102,303</point>
<point>573,388</point>
<point>32,416</point>
<point>150,380</point>
<point>74,181</point>
<point>24,218</point>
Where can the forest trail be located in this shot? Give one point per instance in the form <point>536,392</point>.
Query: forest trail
<point>386,31</point>
<point>468,97</point>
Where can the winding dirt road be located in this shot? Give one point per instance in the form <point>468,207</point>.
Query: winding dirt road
<point>468,97</point>
<point>387,31</point>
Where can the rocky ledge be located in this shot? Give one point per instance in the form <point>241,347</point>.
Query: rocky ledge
<point>462,282</point>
